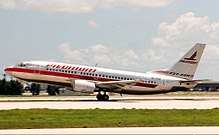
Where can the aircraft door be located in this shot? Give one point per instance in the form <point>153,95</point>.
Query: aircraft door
<point>35,68</point>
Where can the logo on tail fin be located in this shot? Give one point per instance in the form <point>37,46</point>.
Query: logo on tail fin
<point>192,57</point>
<point>190,60</point>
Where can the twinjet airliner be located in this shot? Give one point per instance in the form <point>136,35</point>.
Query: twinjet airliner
<point>102,80</point>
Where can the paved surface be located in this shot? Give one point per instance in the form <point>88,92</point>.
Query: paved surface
<point>112,98</point>
<point>116,103</point>
<point>145,130</point>
<point>85,102</point>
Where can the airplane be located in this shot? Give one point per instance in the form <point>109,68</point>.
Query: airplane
<point>102,80</point>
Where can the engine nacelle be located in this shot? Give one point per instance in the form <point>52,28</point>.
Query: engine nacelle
<point>83,86</point>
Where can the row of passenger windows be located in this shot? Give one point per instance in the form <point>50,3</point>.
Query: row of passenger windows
<point>152,82</point>
<point>89,74</point>
<point>96,75</point>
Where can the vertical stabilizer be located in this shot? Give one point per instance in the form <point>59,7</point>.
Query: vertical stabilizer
<point>187,65</point>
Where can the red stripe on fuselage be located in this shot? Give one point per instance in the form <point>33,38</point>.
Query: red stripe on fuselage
<point>70,75</point>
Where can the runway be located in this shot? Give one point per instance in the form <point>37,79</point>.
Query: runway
<point>117,102</point>
<point>143,130</point>
<point>79,102</point>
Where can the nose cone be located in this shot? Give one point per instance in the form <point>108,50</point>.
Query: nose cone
<point>8,70</point>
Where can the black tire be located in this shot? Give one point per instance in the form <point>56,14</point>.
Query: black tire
<point>99,97</point>
<point>105,97</point>
<point>27,88</point>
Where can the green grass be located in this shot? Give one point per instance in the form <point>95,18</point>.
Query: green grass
<point>46,118</point>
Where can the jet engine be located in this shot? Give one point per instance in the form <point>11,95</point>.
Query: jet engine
<point>83,86</point>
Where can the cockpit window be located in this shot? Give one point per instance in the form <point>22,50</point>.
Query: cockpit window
<point>21,65</point>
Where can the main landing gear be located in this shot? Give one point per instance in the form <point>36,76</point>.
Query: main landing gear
<point>102,96</point>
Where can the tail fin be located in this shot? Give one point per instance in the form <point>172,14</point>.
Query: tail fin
<point>185,68</point>
<point>187,65</point>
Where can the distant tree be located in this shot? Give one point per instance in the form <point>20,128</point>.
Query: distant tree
<point>3,86</point>
<point>10,87</point>
<point>14,88</point>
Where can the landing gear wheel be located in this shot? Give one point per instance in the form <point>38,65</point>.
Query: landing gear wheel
<point>105,97</point>
<point>102,97</point>
<point>99,97</point>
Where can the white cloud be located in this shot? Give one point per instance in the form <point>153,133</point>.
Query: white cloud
<point>152,55</point>
<point>135,3</point>
<point>101,55</point>
<point>92,23</point>
<point>111,57</point>
<point>184,32</point>
<point>213,52</point>
<point>76,6</point>
<point>187,28</point>
<point>7,4</point>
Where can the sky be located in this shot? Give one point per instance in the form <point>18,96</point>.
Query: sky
<point>133,35</point>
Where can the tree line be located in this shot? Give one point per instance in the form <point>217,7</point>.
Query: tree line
<point>11,87</point>
<point>14,87</point>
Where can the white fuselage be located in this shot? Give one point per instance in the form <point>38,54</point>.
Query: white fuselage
<point>61,74</point>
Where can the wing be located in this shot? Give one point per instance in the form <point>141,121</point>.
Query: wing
<point>194,81</point>
<point>116,84</point>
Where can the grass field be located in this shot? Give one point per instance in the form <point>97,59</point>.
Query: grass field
<point>45,118</point>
